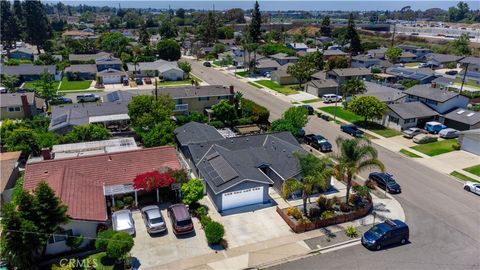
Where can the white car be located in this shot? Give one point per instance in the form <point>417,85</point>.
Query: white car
<point>472,187</point>
<point>328,98</point>
<point>412,132</point>
<point>122,221</point>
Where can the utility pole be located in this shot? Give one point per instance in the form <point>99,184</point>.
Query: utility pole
<point>463,79</point>
<point>393,36</point>
<point>156,89</point>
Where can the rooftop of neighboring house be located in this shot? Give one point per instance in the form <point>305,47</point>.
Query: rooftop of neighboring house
<point>432,93</point>
<point>407,55</point>
<point>111,72</point>
<point>194,132</point>
<point>416,74</point>
<point>348,72</point>
<point>24,50</point>
<point>364,57</point>
<point>282,71</point>
<point>8,162</point>
<point>27,69</point>
<point>412,47</point>
<point>152,65</point>
<point>323,83</point>
<point>87,57</point>
<point>267,63</point>
<point>383,93</point>
<point>443,58</point>
<point>472,60</point>
<point>77,33</point>
<point>411,110</point>
<point>82,68</point>
<point>322,74</point>
<point>298,45</point>
<point>334,52</point>
<point>80,181</point>
<point>283,56</point>
<point>108,60</point>
<point>15,99</point>
<point>464,116</point>
<point>81,149</point>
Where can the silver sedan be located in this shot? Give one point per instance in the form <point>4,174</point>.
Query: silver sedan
<point>153,219</point>
<point>122,221</point>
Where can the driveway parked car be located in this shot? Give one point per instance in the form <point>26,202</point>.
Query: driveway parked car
<point>318,142</point>
<point>61,100</point>
<point>139,81</point>
<point>352,130</point>
<point>153,219</point>
<point>451,72</point>
<point>412,132</point>
<point>207,64</point>
<point>448,133</point>
<point>147,80</point>
<point>472,187</point>
<point>385,181</point>
<point>386,233</point>
<point>424,138</point>
<point>88,97</point>
<point>122,221</point>
<point>180,218</point>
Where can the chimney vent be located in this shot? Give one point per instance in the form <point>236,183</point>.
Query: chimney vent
<point>26,106</point>
<point>46,154</point>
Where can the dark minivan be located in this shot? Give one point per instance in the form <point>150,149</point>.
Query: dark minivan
<point>181,219</point>
<point>386,233</point>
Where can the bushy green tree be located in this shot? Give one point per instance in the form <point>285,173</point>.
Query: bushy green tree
<point>9,81</point>
<point>169,50</point>
<point>461,45</point>
<point>336,62</point>
<point>224,111</point>
<point>47,90</point>
<point>367,106</point>
<point>167,30</point>
<point>325,29</point>
<point>119,245</point>
<point>87,133</point>
<point>103,238</point>
<point>185,66</point>
<point>255,24</point>
<point>302,70</point>
<point>192,191</point>
<point>214,232</point>
<point>352,36</point>
<point>37,26</point>
<point>353,87</point>
<point>161,134</point>
<point>113,42</point>
<point>393,53</point>
<point>146,111</point>
<point>293,120</point>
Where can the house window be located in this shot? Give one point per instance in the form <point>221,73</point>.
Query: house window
<point>13,109</point>
<point>60,236</point>
<point>178,101</point>
<point>410,97</point>
<point>223,97</point>
<point>432,102</point>
<point>203,98</point>
<point>393,119</point>
<point>410,120</point>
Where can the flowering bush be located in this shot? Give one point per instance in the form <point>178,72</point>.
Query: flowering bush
<point>152,180</point>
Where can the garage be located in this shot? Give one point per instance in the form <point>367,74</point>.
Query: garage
<point>111,76</point>
<point>242,197</point>
<point>470,141</point>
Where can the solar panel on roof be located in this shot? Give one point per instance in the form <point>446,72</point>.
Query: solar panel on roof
<point>59,120</point>
<point>416,76</point>
<point>223,169</point>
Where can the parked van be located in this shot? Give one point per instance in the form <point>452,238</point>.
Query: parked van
<point>386,233</point>
<point>180,218</point>
<point>448,133</point>
<point>434,127</point>
<point>328,98</point>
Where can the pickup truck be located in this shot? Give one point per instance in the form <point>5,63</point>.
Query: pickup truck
<point>88,98</point>
<point>352,130</point>
<point>318,142</point>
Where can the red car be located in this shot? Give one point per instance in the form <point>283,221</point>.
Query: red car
<point>147,80</point>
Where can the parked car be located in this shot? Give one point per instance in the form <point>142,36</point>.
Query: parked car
<point>268,74</point>
<point>451,72</point>
<point>385,181</point>
<point>207,64</point>
<point>328,98</point>
<point>434,127</point>
<point>424,138</point>
<point>125,82</point>
<point>153,219</point>
<point>352,130</point>
<point>412,132</point>
<point>310,109</point>
<point>61,100</point>
<point>472,187</point>
<point>147,80</point>
<point>448,133</point>
<point>301,132</point>
<point>181,219</point>
<point>423,65</point>
<point>122,221</point>
<point>3,90</point>
<point>139,81</point>
<point>385,234</point>
<point>318,142</point>
<point>88,98</point>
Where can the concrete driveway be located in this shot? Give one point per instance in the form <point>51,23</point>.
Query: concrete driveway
<point>155,250</point>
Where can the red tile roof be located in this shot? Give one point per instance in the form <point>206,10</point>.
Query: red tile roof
<point>79,181</point>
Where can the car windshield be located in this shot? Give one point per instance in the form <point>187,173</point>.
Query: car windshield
<point>156,220</point>
<point>376,231</point>
<point>389,179</point>
<point>184,222</point>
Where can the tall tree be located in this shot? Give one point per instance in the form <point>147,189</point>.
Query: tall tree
<point>352,36</point>
<point>145,110</point>
<point>393,53</point>
<point>169,50</point>
<point>353,87</point>
<point>302,70</point>
<point>461,45</point>
<point>144,36</point>
<point>254,28</point>
<point>210,28</point>
<point>353,157</point>
<point>367,106</point>
<point>19,14</point>
<point>47,90</point>
<point>325,29</point>
<point>9,24</point>
<point>293,120</point>
<point>37,27</point>
<point>180,13</point>
<point>49,208</point>
<point>167,30</point>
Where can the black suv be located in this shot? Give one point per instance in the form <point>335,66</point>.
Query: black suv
<point>385,181</point>
<point>318,142</point>
<point>386,233</point>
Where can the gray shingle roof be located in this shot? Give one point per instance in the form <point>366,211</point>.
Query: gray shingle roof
<point>412,110</point>
<point>111,72</point>
<point>152,65</point>
<point>464,116</point>
<point>443,58</point>
<point>283,56</point>
<point>87,57</point>
<point>14,99</point>
<point>267,63</point>
<point>107,60</point>
<point>195,132</point>
<point>346,72</point>
<point>334,52</point>
<point>383,93</point>
<point>27,69</point>
<point>323,83</point>
<point>471,60</point>
<point>86,68</point>
<point>426,91</point>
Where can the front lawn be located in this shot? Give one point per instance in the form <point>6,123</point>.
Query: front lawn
<point>409,154</point>
<point>312,100</point>
<point>473,170</point>
<point>414,64</point>
<point>341,113</point>
<point>67,85</point>
<point>242,73</point>
<point>254,85</point>
<point>436,148</point>
<point>36,85</point>
<point>462,177</point>
<point>282,89</point>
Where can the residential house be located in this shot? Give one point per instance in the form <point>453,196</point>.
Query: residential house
<point>383,93</point>
<point>17,105</point>
<point>422,75</point>
<point>377,53</point>
<point>320,87</point>
<point>406,57</point>
<point>440,100</point>
<point>85,184</point>
<point>419,52</point>
<point>470,65</point>
<point>238,171</point>
<point>319,75</point>
<point>84,58</point>
<point>438,60</point>
<point>327,54</point>
<point>462,119</point>
<point>266,65</point>
<point>364,61</point>
<point>322,41</point>
<point>108,62</point>
<point>283,58</point>
<point>297,46</point>
<point>30,72</point>
<point>22,53</point>
<point>469,141</point>
<point>341,75</point>
<point>111,76</point>
<point>169,71</point>
<point>9,174</point>
<point>81,71</point>
<point>77,34</point>
<point>282,77</point>
<point>401,116</point>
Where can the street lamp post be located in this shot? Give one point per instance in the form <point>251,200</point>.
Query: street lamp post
<point>336,100</point>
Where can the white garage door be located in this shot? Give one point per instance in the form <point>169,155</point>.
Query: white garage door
<point>111,79</point>
<point>242,198</point>
<point>471,145</point>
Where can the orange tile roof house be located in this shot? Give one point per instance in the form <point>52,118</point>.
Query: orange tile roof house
<point>81,183</point>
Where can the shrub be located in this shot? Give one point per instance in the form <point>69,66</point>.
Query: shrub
<point>294,212</point>
<point>370,184</point>
<point>128,200</point>
<point>119,204</point>
<point>74,242</point>
<point>192,191</point>
<point>119,245</point>
<point>243,121</point>
<point>456,146</point>
<point>303,221</point>
<point>258,114</point>
<point>214,232</point>
<point>204,220</point>
<point>344,207</point>
<point>224,243</point>
<point>361,190</point>
<point>200,212</point>
<point>354,199</point>
<point>351,232</point>
<point>314,212</point>
<point>327,215</point>
<point>217,124</point>
<point>322,202</point>
<point>102,239</point>
<point>336,200</point>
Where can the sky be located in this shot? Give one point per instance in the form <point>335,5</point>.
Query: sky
<point>344,5</point>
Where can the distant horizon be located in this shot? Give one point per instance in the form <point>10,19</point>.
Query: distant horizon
<point>278,5</point>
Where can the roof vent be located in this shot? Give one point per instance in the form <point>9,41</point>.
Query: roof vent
<point>470,114</point>
<point>109,158</point>
<point>460,112</point>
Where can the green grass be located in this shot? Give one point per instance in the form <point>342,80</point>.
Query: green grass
<point>462,177</point>
<point>242,73</point>
<point>473,170</point>
<point>254,85</point>
<point>312,100</point>
<point>282,89</point>
<point>174,83</point>
<point>379,129</point>
<point>459,84</point>
<point>409,154</point>
<point>436,148</point>
<point>67,85</point>
<point>103,262</point>
<point>341,113</point>
<point>36,85</point>
<point>195,78</point>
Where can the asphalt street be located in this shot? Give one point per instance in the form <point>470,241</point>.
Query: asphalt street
<point>444,220</point>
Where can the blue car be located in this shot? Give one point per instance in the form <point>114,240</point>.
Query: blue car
<point>352,130</point>
<point>387,233</point>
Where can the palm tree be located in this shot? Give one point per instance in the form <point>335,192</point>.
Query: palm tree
<point>316,174</point>
<point>135,60</point>
<point>354,156</point>
<point>237,98</point>
<point>353,87</point>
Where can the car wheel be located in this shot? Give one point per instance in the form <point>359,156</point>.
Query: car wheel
<point>403,241</point>
<point>378,247</point>
<point>467,188</point>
